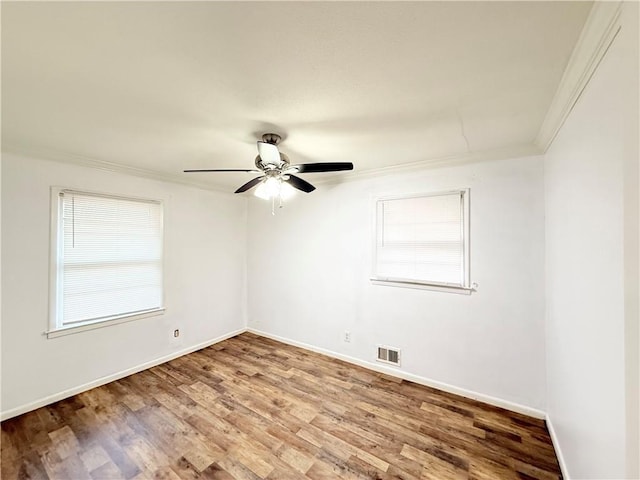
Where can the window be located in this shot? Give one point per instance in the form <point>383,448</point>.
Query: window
<point>423,240</point>
<point>106,259</point>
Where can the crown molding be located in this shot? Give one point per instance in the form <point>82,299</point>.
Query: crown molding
<point>600,29</point>
<point>64,157</point>
<point>514,151</point>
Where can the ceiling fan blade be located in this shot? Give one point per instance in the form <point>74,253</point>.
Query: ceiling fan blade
<point>221,170</point>
<point>269,153</point>
<point>249,184</point>
<point>323,167</point>
<point>300,184</point>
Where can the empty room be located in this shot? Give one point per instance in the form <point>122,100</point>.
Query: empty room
<point>320,240</point>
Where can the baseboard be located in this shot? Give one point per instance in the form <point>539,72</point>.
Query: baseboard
<point>514,407</point>
<point>4,415</point>
<point>556,446</point>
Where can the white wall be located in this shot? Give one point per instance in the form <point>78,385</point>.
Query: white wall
<point>309,269</point>
<point>591,179</point>
<point>204,280</point>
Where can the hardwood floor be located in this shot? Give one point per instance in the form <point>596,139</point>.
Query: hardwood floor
<point>253,408</point>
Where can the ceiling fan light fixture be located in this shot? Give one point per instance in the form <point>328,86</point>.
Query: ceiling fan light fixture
<point>286,191</point>
<point>278,182</point>
<point>274,187</point>
<point>268,188</point>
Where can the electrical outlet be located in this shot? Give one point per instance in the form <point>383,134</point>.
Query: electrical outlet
<point>347,336</point>
<point>176,332</point>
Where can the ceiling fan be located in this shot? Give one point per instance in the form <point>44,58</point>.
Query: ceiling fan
<point>278,175</point>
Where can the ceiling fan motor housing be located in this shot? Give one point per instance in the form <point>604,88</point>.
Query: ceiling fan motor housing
<point>268,166</point>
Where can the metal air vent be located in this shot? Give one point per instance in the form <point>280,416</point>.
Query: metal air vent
<point>388,355</point>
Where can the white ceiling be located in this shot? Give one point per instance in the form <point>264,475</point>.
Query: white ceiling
<point>164,86</point>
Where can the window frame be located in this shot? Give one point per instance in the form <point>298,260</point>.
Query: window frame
<point>55,324</point>
<point>466,287</point>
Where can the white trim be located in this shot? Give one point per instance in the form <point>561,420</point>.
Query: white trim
<point>395,372</point>
<point>597,35</point>
<point>86,193</point>
<point>556,445</point>
<point>4,415</point>
<point>466,234</point>
<point>465,287</point>
<point>56,324</point>
<point>392,371</point>
<point>420,194</point>
<point>55,253</point>
<point>100,323</point>
<point>512,152</point>
<point>71,158</point>
<point>515,151</point>
<point>423,286</point>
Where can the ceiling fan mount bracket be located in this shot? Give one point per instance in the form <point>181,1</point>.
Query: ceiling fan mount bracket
<point>272,138</point>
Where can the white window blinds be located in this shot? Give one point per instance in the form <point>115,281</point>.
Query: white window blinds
<point>109,258</point>
<point>422,239</point>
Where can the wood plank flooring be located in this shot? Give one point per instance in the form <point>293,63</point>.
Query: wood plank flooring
<point>253,408</point>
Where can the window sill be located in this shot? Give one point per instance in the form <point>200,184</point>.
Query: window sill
<point>70,330</point>
<point>425,286</point>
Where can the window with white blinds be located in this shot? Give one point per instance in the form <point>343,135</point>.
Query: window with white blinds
<point>108,258</point>
<point>423,239</point>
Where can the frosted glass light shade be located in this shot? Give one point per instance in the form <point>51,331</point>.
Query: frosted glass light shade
<point>273,188</point>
